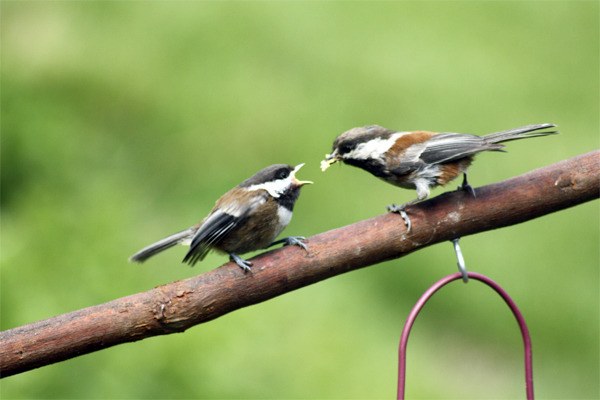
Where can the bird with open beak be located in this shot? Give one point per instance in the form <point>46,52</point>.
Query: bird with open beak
<point>248,217</point>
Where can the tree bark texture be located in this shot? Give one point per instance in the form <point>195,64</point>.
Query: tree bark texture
<point>177,306</point>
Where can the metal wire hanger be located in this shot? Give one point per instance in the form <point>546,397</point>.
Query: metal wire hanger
<point>465,277</point>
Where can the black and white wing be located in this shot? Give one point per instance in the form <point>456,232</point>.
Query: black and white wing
<point>217,226</point>
<point>214,228</point>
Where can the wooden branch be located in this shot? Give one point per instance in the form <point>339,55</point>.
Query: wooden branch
<point>180,305</point>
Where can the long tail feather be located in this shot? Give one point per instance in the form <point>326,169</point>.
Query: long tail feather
<point>520,133</point>
<point>161,245</point>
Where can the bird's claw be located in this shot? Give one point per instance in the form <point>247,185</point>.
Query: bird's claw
<point>406,219</point>
<point>243,264</point>
<point>295,241</point>
<point>468,188</point>
<point>393,208</point>
<point>292,240</point>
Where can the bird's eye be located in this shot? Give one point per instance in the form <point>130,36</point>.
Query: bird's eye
<point>345,148</point>
<point>282,174</point>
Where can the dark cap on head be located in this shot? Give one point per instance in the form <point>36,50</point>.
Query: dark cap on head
<point>268,174</point>
<point>348,140</point>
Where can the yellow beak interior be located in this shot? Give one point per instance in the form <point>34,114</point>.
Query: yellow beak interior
<point>295,180</point>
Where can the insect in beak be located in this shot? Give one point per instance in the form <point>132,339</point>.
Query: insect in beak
<point>329,160</point>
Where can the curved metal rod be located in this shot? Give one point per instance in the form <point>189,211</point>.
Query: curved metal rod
<point>460,260</point>
<point>429,293</point>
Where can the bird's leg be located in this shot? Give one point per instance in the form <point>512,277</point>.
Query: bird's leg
<point>422,194</point>
<point>291,240</point>
<point>400,209</point>
<point>460,261</point>
<point>243,264</point>
<point>466,187</point>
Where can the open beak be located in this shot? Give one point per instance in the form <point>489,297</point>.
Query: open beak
<point>329,160</point>
<point>296,181</point>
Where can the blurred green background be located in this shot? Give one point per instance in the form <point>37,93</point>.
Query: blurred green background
<point>123,122</point>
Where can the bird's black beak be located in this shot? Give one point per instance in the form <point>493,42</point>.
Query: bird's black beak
<point>329,160</point>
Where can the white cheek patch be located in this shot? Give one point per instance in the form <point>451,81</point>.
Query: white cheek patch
<point>373,149</point>
<point>275,188</point>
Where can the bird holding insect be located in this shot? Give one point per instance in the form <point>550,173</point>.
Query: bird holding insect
<point>419,160</point>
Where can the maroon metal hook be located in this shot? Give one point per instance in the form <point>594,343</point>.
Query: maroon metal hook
<point>429,293</point>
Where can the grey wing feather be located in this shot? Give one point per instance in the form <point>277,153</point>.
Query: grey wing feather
<point>447,147</point>
<point>214,228</point>
<point>522,132</point>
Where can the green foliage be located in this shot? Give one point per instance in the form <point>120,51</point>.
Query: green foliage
<point>123,122</point>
